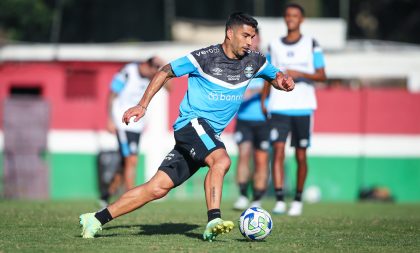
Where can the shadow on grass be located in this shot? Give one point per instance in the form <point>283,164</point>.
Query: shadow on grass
<point>161,229</point>
<point>250,241</point>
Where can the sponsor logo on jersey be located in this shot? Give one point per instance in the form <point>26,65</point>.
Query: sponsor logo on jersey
<point>212,50</point>
<point>249,71</point>
<point>290,54</point>
<point>218,96</point>
<point>233,77</point>
<point>217,71</point>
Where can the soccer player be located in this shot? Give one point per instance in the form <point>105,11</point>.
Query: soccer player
<point>252,135</point>
<point>301,58</point>
<point>126,87</point>
<point>218,77</point>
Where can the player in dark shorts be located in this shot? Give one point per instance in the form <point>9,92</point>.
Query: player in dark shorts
<point>252,134</point>
<point>218,77</point>
<point>302,58</point>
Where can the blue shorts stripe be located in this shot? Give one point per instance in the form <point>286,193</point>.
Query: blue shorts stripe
<point>125,150</point>
<point>207,141</point>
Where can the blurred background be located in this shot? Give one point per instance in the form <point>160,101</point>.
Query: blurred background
<point>57,58</point>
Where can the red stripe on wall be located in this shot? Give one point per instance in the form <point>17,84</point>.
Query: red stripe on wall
<point>338,111</point>
<point>373,111</point>
<point>391,111</point>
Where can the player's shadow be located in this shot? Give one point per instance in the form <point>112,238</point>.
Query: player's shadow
<point>167,229</point>
<point>162,229</point>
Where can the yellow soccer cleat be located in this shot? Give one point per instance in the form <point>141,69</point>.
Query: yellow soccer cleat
<point>90,225</point>
<point>216,227</point>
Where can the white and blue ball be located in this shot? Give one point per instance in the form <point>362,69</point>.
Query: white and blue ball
<point>255,223</point>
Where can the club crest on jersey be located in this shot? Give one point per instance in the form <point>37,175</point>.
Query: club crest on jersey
<point>249,71</point>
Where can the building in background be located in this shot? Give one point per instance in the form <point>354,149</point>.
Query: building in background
<point>367,132</point>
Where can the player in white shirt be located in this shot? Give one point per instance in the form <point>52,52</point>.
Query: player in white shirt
<point>301,58</point>
<point>126,87</point>
<point>252,134</point>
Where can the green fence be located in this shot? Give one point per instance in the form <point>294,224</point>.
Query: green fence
<point>74,176</point>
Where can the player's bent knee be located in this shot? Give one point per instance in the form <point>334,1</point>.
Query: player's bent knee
<point>158,192</point>
<point>223,164</point>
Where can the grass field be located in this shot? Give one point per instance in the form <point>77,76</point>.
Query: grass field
<point>171,226</point>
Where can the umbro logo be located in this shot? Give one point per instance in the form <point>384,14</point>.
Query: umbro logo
<point>217,71</point>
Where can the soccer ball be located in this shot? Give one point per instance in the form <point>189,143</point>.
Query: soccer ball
<point>255,223</point>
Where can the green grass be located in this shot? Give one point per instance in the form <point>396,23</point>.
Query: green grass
<point>171,226</point>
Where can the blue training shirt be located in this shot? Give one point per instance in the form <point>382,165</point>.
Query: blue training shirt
<point>250,108</point>
<point>216,84</point>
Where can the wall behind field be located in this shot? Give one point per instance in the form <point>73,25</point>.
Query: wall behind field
<point>362,138</point>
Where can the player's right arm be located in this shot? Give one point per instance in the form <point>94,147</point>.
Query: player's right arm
<point>158,81</point>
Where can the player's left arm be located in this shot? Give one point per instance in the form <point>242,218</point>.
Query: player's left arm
<point>275,77</point>
<point>318,76</point>
<point>157,82</point>
<point>319,65</point>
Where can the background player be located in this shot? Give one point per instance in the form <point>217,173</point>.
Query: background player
<point>300,57</point>
<point>252,136</point>
<point>218,77</point>
<point>126,87</point>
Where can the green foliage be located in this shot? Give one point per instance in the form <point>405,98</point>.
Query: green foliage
<point>173,226</point>
<point>25,20</point>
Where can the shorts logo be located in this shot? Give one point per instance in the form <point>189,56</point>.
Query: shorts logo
<point>304,143</point>
<point>133,147</point>
<point>249,71</point>
<point>192,153</point>
<point>217,71</point>
<point>274,134</point>
<point>218,137</point>
<point>169,156</point>
<point>238,137</point>
<point>264,145</point>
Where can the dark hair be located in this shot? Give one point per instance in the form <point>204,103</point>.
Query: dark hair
<point>297,6</point>
<point>240,18</point>
<point>152,63</point>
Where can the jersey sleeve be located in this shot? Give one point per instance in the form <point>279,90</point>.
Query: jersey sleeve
<point>267,71</point>
<point>119,80</point>
<point>182,66</point>
<point>268,56</point>
<point>318,56</point>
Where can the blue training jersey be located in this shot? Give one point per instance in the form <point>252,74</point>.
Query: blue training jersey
<point>250,108</point>
<point>216,84</point>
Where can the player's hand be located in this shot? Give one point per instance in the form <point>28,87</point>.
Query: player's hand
<point>285,82</point>
<point>111,127</point>
<point>137,111</point>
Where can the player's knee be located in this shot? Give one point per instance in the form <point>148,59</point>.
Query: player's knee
<point>223,164</point>
<point>158,192</point>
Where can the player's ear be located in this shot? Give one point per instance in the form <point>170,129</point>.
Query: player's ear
<point>229,33</point>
